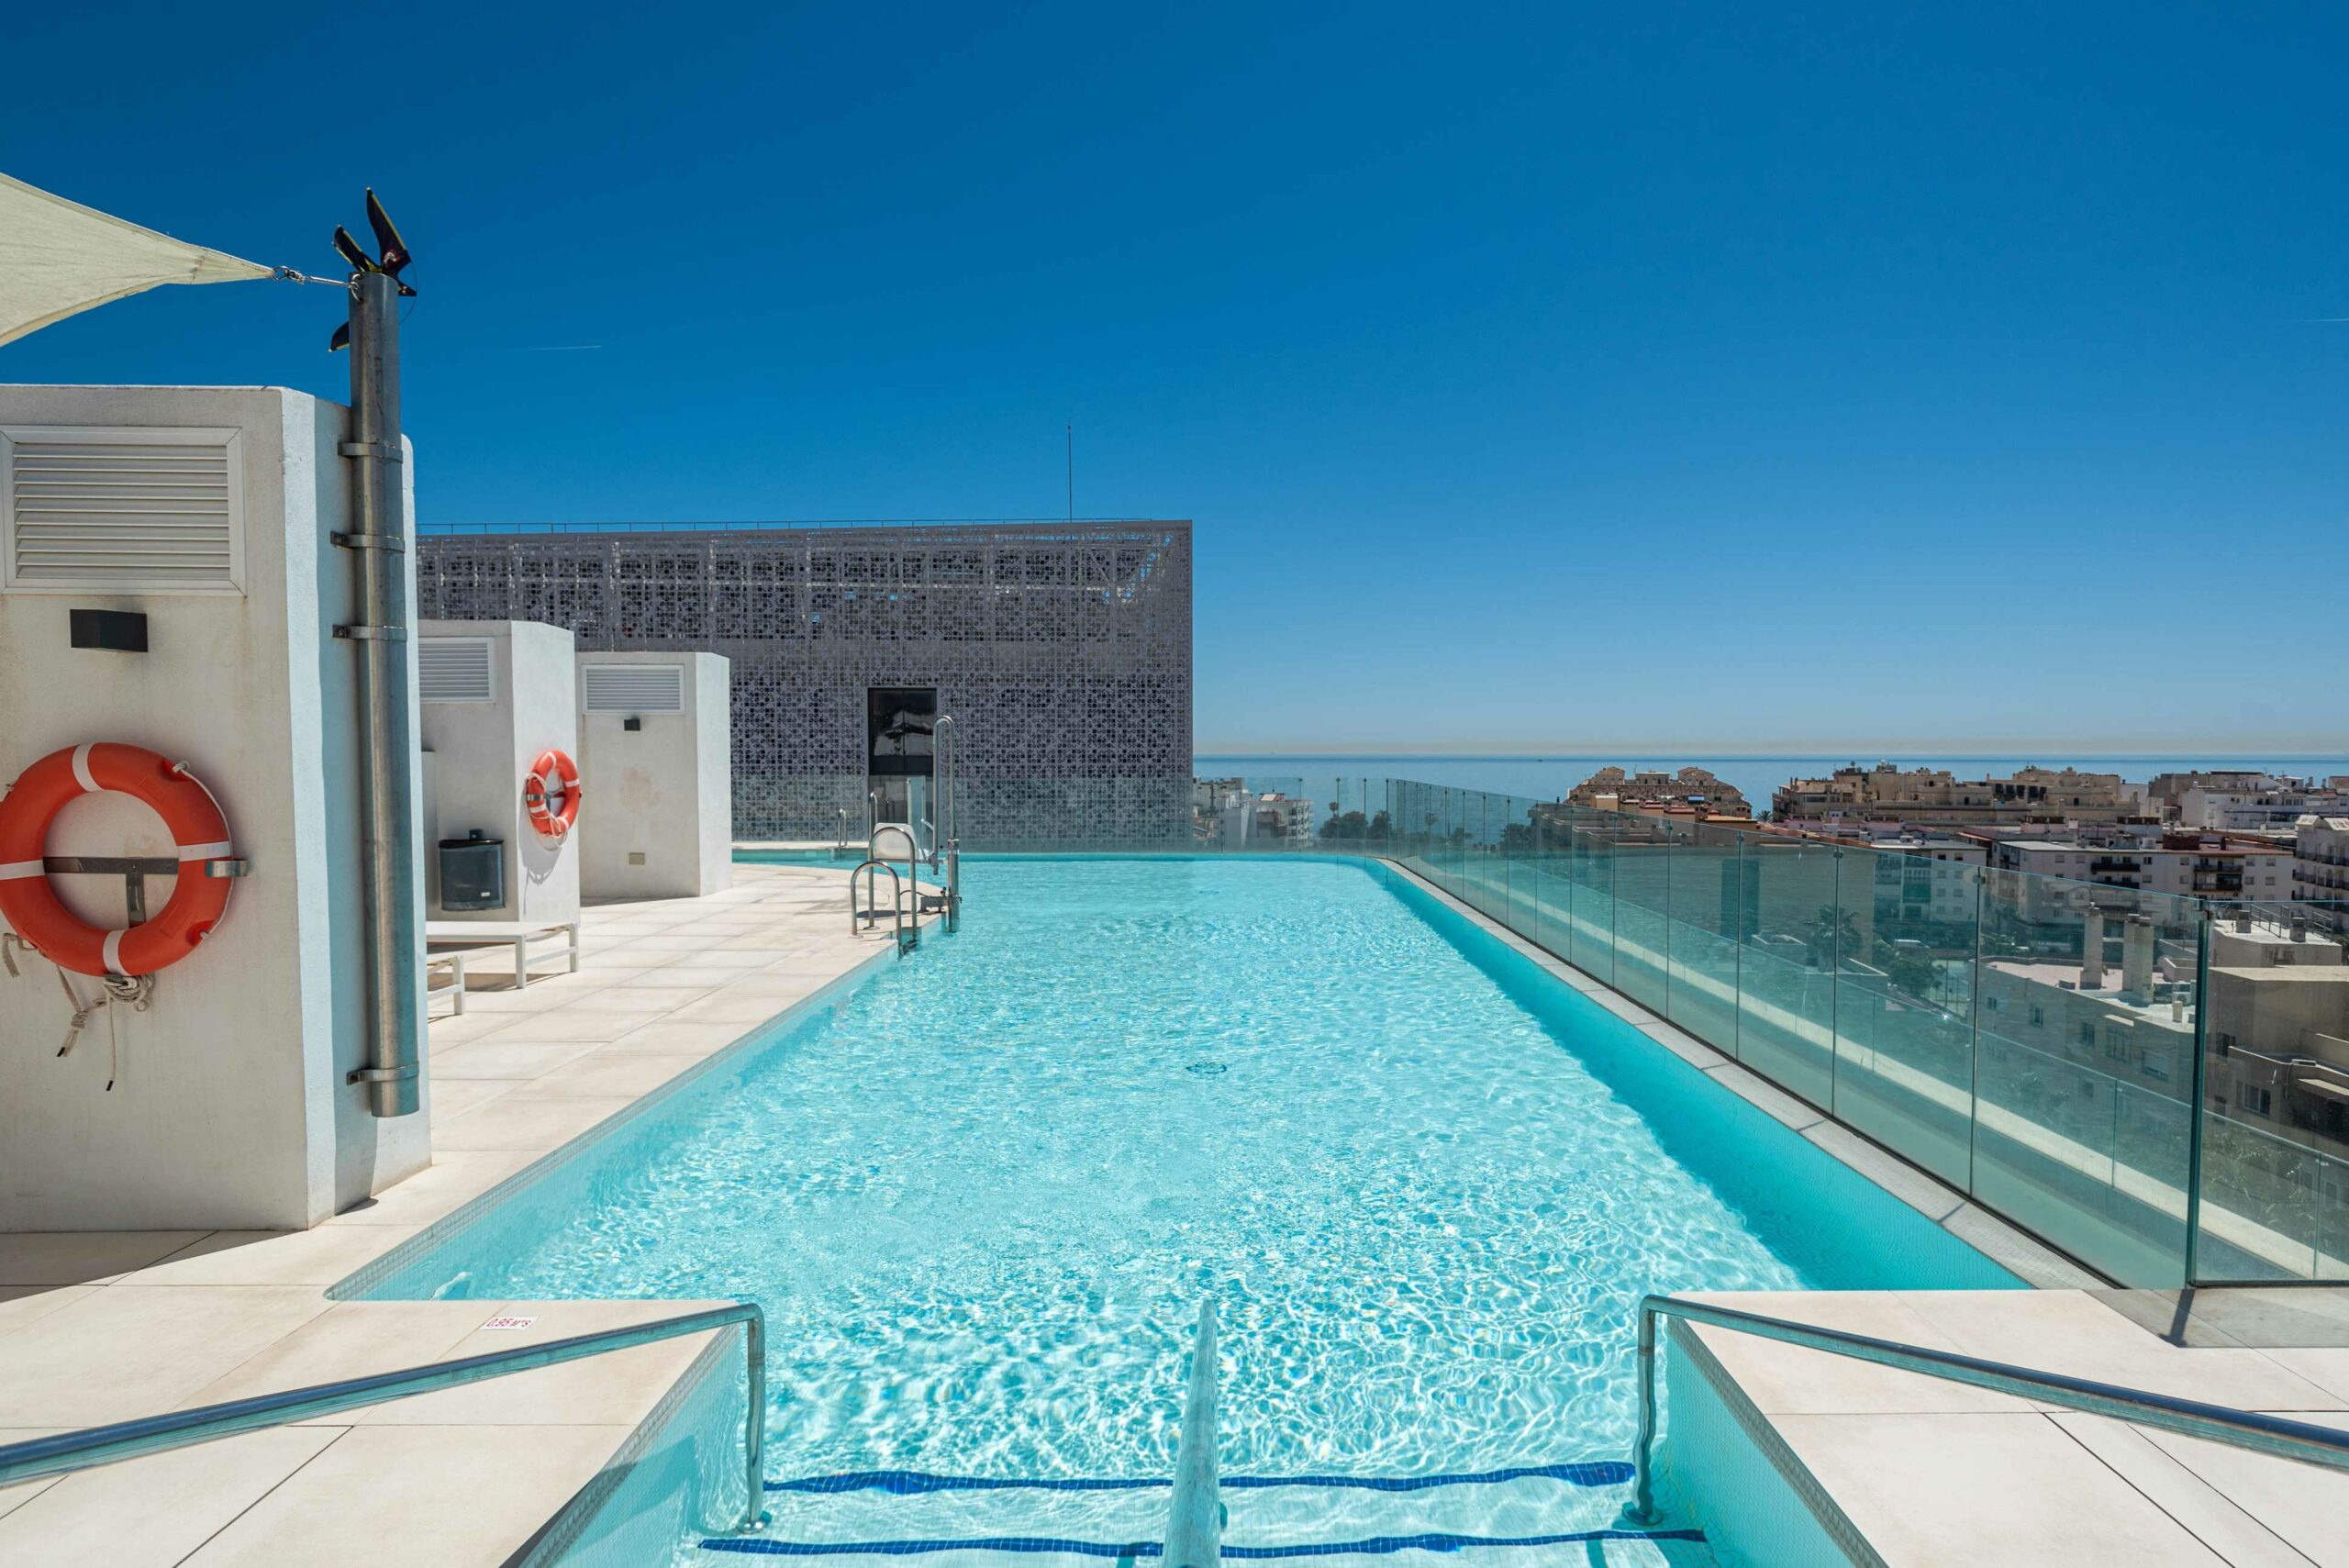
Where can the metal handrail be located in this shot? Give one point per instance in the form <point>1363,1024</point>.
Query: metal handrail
<point>2272,1435</point>
<point>945,839</point>
<point>68,1451</point>
<point>871,868</point>
<point>1195,1520</point>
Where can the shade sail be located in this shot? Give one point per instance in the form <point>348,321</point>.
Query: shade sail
<point>58,257</point>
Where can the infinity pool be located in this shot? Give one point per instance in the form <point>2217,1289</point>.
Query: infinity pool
<point>982,1197</point>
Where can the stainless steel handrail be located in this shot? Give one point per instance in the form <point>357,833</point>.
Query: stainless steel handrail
<point>1195,1520</point>
<point>68,1451</point>
<point>2272,1435</point>
<point>870,868</point>
<point>946,841</point>
<point>913,864</point>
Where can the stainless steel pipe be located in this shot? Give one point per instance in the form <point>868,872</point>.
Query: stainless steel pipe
<point>388,745</point>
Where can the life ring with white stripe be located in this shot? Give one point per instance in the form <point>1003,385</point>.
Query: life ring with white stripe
<point>199,893</point>
<point>552,764</point>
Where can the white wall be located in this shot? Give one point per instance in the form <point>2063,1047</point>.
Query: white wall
<point>480,751</point>
<point>231,1110</point>
<point>664,793</point>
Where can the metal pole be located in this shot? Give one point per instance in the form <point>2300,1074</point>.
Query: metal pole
<point>755,1435</point>
<point>386,807</point>
<point>2200,1090</point>
<point>1643,1509</point>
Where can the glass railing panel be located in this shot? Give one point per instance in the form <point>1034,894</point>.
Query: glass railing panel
<point>1707,929</point>
<point>1906,932</point>
<point>2276,1094</point>
<point>1791,937</point>
<point>1548,884</point>
<point>1591,910</point>
<point>1643,859</point>
<point>2082,1035</point>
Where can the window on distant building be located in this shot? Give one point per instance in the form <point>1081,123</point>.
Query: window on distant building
<point>2258,1101</point>
<point>2088,1033</point>
<point>2038,1016</point>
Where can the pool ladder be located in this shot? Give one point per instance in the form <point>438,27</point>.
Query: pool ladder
<point>904,911</point>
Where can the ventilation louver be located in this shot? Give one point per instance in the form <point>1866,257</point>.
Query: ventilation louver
<point>452,669</point>
<point>108,509</point>
<point>635,688</point>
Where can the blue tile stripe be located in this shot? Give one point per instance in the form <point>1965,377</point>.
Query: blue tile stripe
<point>913,1483</point>
<point>1377,1545</point>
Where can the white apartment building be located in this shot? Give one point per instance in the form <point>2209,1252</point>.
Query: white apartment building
<point>2321,858</point>
<point>2184,866</point>
<point>1919,878</point>
<point>1854,795</point>
<point>2268,804</point>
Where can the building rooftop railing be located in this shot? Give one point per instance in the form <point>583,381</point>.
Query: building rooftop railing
<point>755,525</point>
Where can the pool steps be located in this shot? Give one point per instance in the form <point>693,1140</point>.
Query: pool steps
<point>1506,1513</point>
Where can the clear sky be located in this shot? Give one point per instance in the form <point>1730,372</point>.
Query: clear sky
<point>1896,378</point>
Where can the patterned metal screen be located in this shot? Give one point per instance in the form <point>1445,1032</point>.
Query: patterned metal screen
<point>1062,652</point>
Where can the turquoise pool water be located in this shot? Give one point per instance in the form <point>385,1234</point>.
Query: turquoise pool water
<point>981,1197</point>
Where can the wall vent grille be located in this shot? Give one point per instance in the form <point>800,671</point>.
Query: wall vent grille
<point>634,688</point>
<point>106,509</point>
<point>453,669</point>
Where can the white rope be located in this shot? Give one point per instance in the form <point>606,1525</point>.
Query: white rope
<point>135,990</point>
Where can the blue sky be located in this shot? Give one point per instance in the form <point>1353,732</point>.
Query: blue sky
<point>1656,376</point>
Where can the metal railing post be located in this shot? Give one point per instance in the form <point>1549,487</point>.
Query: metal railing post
<point>2200,1089</point>
<point>1643,1509</point>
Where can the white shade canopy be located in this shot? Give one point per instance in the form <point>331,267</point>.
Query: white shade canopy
<point>58,257</point>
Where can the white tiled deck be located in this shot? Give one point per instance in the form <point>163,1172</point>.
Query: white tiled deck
<point>106,1326</point>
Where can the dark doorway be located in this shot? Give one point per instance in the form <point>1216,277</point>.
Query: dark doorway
<point>898,725</point>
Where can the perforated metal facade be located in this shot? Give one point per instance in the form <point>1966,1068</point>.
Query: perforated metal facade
<point>1062,652</point>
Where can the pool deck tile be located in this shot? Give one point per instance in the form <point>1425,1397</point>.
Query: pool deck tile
<point>84,1257</point>
<point>402,1496</point>
<point>1910,1461</point>
<point>109,1326</point>
<point>159,1508</point>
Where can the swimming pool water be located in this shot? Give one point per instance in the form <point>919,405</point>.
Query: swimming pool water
<point>982,1199</point>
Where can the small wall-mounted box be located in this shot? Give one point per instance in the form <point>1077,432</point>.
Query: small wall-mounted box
<point>472,871</point>
<point>125,631</point>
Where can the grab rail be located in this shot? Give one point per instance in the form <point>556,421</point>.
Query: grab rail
<point>2272,1435</point>
<point>1194,1521</point>
<point>871,869</point>
<point>68,1451</point>
<point>913,864</point>
<point>945,839</point>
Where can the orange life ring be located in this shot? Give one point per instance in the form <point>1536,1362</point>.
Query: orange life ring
<point>551,763</point>
<point>199,899</point>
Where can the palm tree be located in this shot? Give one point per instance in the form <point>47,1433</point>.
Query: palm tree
<point>1832,932</point>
